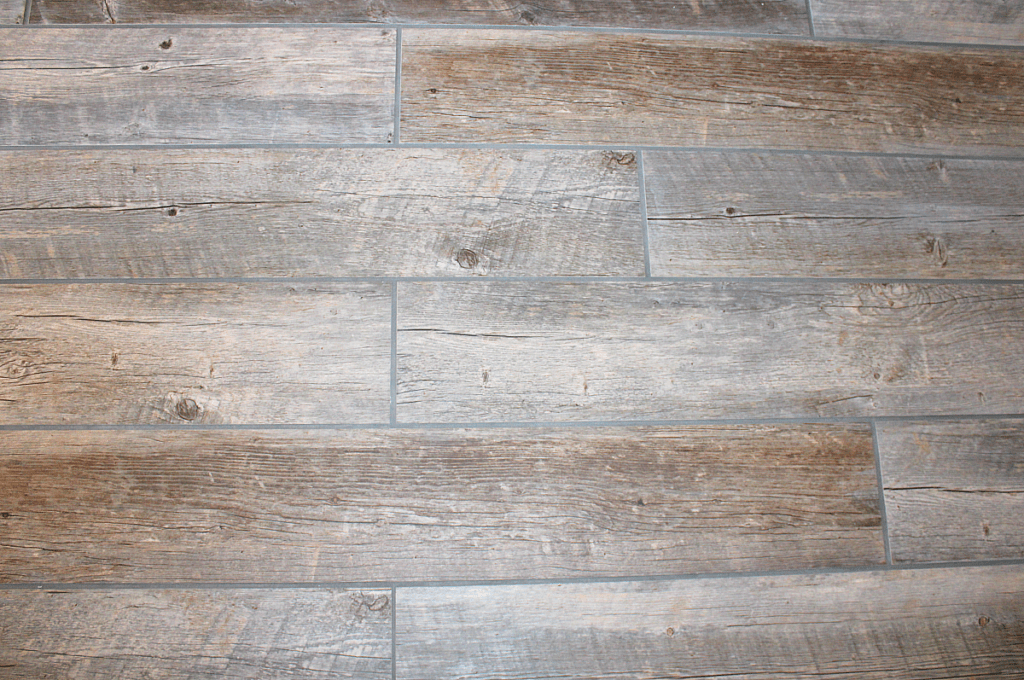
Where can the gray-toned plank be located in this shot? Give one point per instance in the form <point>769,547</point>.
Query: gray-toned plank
<point>752,214</point>
<point>194,353</point>
<point>767,16</point>
<point>920,624</point>
<point>351,212</point>
<point>223,633</point>
<point>954,490</point>
<point>490,351</point>
<point>963,21</point>
<point>191,85</point>
<point>400,504</point>
<point>12,11</point>
<point>533,86</point>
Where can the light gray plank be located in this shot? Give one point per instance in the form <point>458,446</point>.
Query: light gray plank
<point>482,351</point>
<point>539,86</point>
<point>962,21</point>
<point>223,633</point>
<point>954,490</point>
<point>288,506</point>
<point>754,214</point>
<point>764,16</point>
<point>919,624</point>
<point>12,11</point>
<point>194,353</point>
<point>196,85</point>
<point>350,212</point>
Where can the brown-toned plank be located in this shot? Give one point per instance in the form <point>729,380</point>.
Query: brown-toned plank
<point>514,351</point>
<point>12,11</point>
<point>349,212</point>
<point>539,86</point>
<point>954,490</point>
<point>196,85</point>
<point>194,353</point>
<point>962,21</point>
<point>764,16</point>
<point>399,504</point>
<point>755,214</point>
<point>222,633</point>
<point>915,624</point>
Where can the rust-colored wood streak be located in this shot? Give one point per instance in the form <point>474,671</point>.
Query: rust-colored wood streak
<point>954,490</point>
<point>755,214</point>
<point>759,16</point>
<point>539,86</point>
<point>560,351</point>
<point>196,85</point>
<point>961,21</point>
<point>347,212</point>
<point>344,505</point>
<point>914,624</point>
<point>235,633</point>
<point>194,353</point>
<point>12,11</point>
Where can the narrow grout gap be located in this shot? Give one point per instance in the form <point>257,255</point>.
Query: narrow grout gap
<point>645,227</point>
<point>810,18</point>
<point>396,134</point>
<point>881,492</point>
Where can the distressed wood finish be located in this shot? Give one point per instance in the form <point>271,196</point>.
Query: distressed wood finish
<point>752,214</point>
<point>12,11</point>
<point>194,353</point>
<point>368,505</point>
<point>482,351</point>
<point>768,16</point>
<point>196,85</point>
<point>962,21</point>
<point>223,633</point>
<point>351,212</point>
<point>954,490</point>
<point>704,91</point>
<point>917,624</point>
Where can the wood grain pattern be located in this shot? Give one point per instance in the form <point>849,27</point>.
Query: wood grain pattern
<point>962,21</point>
<point>483,351</point>
<point>705,91</point>
<point>12,11</point>
<point>194,353</point>
<point>350,212</point>
<point>753,214</point>
<point>954,490</point>
<point>403,504</point>
<point>767,16</point>
<point>223,633</point>
<point>917,624</point>
<point>196,86</point>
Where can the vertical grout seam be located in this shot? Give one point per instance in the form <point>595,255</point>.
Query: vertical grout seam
<point>881,492</point>
<point>393,418</point>
<point>398,86</point>
<point>643,211</point>
<point>810,18</point>
<point>27,15</point>
<point>394,636</point>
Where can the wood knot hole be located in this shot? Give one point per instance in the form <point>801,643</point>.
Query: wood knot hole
<point>172,212</point>
<point>166,45</point>
<point>730,211</point>
<point>187,409</point>
<point>467,259</point>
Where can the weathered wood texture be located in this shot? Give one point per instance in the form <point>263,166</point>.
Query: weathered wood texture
<point>768,16</point>
<point>351,212</point>
<point>751,214</point>
<point>368,505</point>
<point>194,353</point>
<point>954,490</point>
<point>223,633</point>
<point>483,351</point>
<point>921,624</point>
<point>196,86</point>
<point>962,21</point>
<point>12,11</point>
<point>705,91</point>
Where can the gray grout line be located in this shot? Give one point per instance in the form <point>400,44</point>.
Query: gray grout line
<point>27,16</point>
<point>642,181</point>
<point>396,135</point>
<point>881,492</point>
<point>394,635</point>
<point>485,280</point>
<point>810,18</point>
<point>394,354</point>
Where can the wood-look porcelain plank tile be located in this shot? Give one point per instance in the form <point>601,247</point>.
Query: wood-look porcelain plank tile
<point>12,11</point>
<point>194,353</point>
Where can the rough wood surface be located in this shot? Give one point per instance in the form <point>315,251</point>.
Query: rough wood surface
<point>194,353</point>
<point>962,21</point>
<point>512,351</point>
<point>223,633</point>
<point>350,212</point>
<point>765,16</point>
<point>706,91</point>
<point>916,624</point>
<point>954,490</point>
<point>753,214</point>
<point>196,85</point>
<point>434,504</point>
<point>12,11</point>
